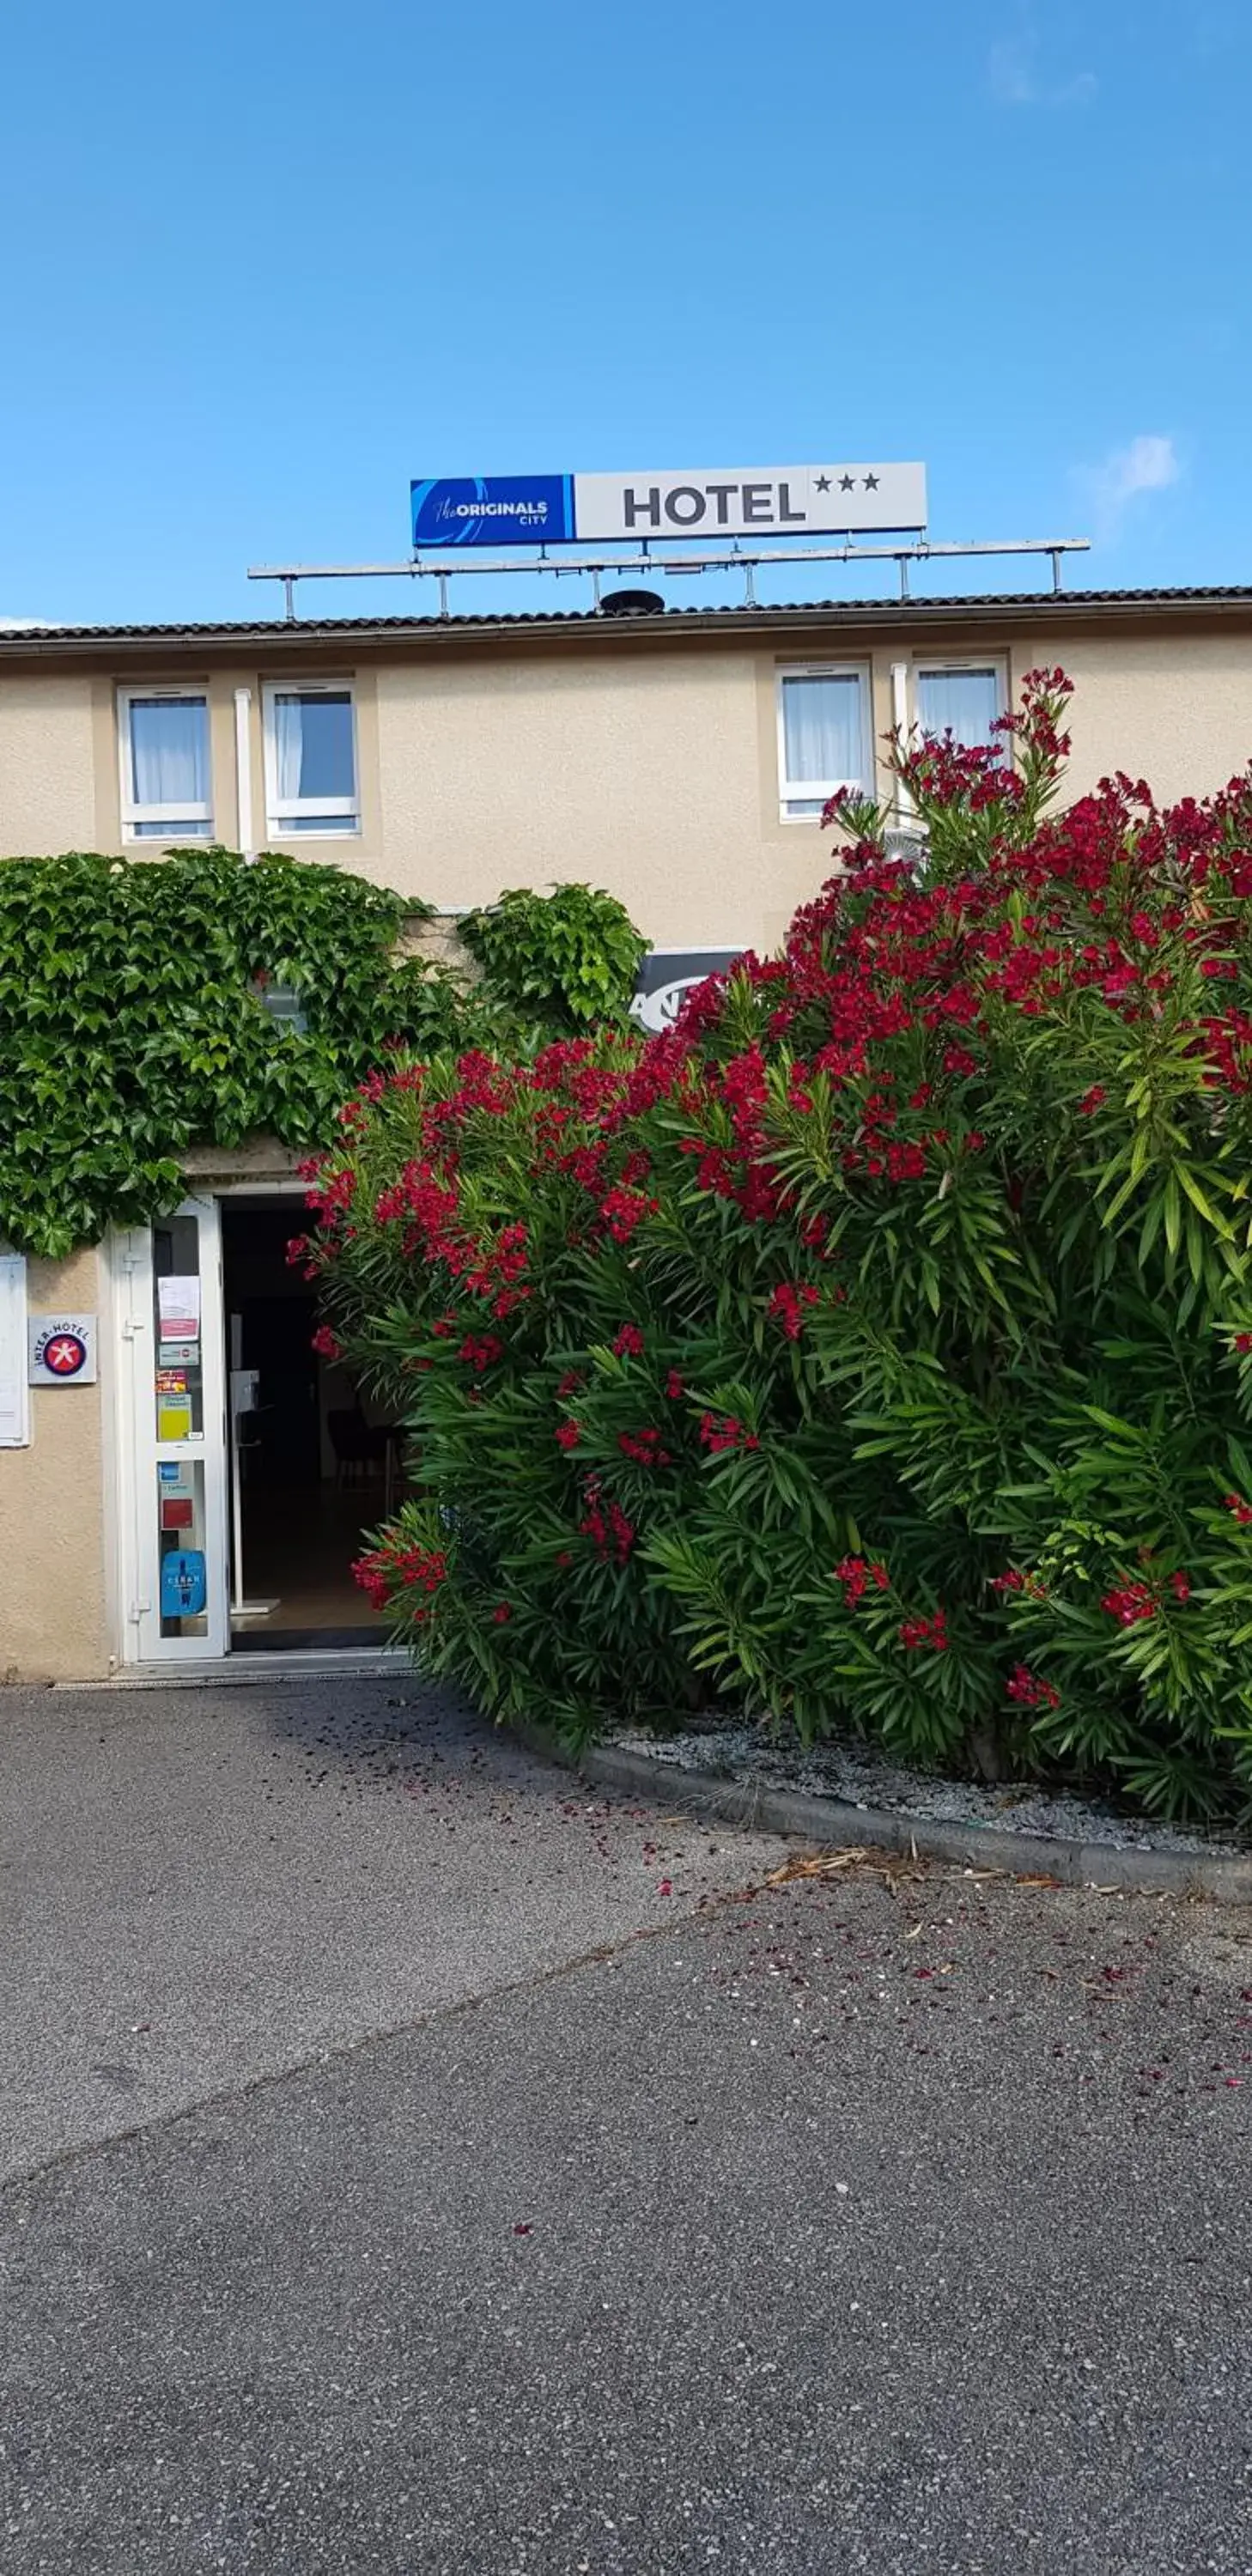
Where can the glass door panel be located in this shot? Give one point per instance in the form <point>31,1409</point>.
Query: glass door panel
<point>172,1341</point>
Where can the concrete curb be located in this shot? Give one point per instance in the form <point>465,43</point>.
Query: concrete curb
<point>827,1823</point>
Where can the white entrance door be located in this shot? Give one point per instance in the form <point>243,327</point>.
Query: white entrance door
<point>175,1548</point>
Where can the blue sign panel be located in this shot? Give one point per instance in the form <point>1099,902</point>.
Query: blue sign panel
<point>494,510</point>
<point>182,1583</point>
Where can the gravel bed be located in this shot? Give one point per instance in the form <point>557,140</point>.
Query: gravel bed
<point>850,1771</point>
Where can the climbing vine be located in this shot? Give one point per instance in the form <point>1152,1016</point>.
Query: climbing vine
<point>134,1021</point>
<point>568,958</point>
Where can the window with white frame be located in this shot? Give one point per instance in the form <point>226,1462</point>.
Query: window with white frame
<point>310,759</point>
<point>824,738</point>
<point>163,745</point>
<point>962,699</point>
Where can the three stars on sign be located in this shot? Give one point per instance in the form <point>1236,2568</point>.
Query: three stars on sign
<point>847,482</point>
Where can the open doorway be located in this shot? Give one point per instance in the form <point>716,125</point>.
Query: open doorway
<point>314,1462</point>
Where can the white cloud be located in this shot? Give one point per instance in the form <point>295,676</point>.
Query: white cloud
<point>1010,71</point>
<point>15,625</point>
<point>1149,464</point>
<point>1015,77</point>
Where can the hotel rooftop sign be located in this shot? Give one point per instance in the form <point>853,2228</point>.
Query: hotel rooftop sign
<point>745,501</point>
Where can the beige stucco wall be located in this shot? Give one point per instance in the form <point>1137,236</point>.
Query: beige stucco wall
<point>650,768</point>
<point>53,1585</point>
<point>638,774</point>
<point>657,775</point>
<point>47,765</point>
<point>1176,710</point>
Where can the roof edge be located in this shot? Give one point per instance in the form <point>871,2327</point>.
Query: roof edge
<point>1068,608</point>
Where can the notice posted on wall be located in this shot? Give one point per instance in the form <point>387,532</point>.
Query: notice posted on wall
<point>14,1398</point>
<point>178,1306</point>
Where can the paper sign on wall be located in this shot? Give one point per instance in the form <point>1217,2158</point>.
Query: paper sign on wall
<point>173,1417</point>
<point>178,1306</point>
<point>14,1401</point>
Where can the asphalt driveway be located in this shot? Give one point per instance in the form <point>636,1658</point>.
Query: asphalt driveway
<point>416,2164</point>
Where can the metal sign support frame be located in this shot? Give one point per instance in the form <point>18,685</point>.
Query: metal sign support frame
<point>643,559</point>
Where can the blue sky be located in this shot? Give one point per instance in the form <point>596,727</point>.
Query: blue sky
<point>265,263</point>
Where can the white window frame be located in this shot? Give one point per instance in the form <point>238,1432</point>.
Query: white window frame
<point>341,815</point>
<point>817,791</point>
<point>175,815</point>
<point>955,663</point>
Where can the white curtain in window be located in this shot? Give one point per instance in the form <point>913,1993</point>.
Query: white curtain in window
<point>169,740</point>
<point>823,735</point>
<point>312,746</point>
<point>963,703</point>
<point>288,746</point>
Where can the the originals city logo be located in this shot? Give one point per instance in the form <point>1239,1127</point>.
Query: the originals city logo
<point>534,513</point>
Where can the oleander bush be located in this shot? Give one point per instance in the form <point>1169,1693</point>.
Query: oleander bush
<point>874,1349</point>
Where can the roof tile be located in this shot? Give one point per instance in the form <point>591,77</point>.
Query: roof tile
<point>306,630</point>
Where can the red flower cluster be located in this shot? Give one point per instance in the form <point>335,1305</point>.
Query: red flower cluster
<point>333,1196</point>
<point>425,1200</point>
<point>644,1447</point>
<point>1128,1603</point>
<point>568,1434</point>
<point>715,1171</point>
<point>1030,1691</point>
<point>606,1525</point>
<point>674,1386</point>
<point>1242,1511</point>
<point>501,1615</point>
<point>914,1633</point>
<point>946,772</point>
<point>787,1304</point>
<point>623,1210</point>
<point>729,1433</point>
<point>856,1575</point>
<point>480,1349</point>
<point>325,1344</point>
<point>395,1564</point>
<point>629,1342</point>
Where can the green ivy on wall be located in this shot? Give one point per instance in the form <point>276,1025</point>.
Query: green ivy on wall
<point>133,1021</point>
<point>568,957</point>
